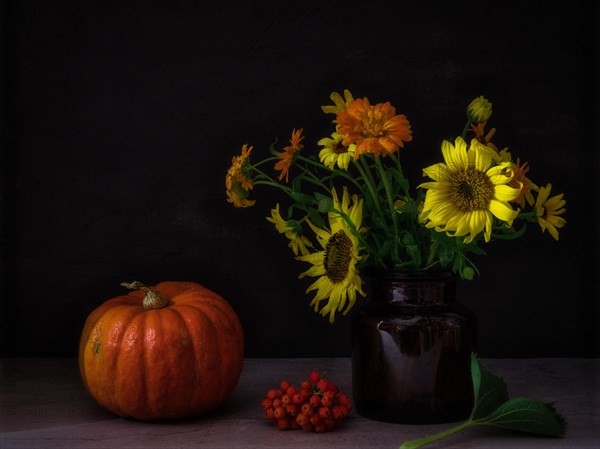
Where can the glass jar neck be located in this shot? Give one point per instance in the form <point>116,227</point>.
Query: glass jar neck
<point>414,289</point>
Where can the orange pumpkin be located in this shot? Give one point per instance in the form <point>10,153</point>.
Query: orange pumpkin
<point>166,352</point>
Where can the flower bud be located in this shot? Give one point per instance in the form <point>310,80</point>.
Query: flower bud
<point>479,110</point>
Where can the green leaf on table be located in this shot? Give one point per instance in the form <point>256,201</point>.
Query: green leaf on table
<point>492,406</point>
<point>528,415</point>
<point>489,390</point>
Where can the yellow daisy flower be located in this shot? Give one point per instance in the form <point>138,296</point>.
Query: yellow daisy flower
<point>335,266</point>
<point>479,110</point>
<point>467,192</point>
<point>548,210</point>
<point>339,103</point>
<point>298,242</point>
<point>335,152</point>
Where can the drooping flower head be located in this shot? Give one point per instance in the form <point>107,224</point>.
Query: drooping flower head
<point>335,266</point>
<point>548,210</point>
<point>238,181</point>
<point>467,192</point>
<point>298,242</point>
<point>479,110</point>
<point>288,154</point>
<point>335,152</point>
<point>374,129</point>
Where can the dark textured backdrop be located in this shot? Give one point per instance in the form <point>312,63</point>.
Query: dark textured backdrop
<point>120,119</point>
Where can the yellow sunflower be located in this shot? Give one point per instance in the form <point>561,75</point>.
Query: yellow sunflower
<point>548,210</point>
<point>298,242</point>
<point>335,152</point>
<point>467,192</point>
<point>335,266</point>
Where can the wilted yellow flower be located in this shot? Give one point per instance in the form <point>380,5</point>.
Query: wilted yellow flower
<point>238,183</point>
<point>298,242</point>
<point>548,210</point>
<point>339,103</point>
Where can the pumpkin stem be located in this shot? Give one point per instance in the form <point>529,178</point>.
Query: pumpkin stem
<point>153,298</point>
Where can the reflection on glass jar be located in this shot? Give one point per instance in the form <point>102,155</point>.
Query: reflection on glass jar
<point>411,348</point>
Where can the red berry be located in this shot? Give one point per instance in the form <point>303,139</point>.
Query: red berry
<point>270,413</point>
<point>291,409</point>
<point>283,423</point>
<point>327,400</point>
<point>298,398</point>
<point>284,385</point>
<point>307,409</point>
<point>314,377</point>
<point>338,412</point>
<point>324,412</point>
<point>320,427</point>
<point>306,385</point>
<point>279,413</point>
<point>322,385</point>
<point>303,420</point>
<point>315,419</point>
<point>315,401</point>
<point>285,399</point>
<point>272,394</point>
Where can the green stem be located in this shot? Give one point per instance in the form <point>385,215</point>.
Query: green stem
<point>464,133</point>
<point>420,442</point>
<point>153,298</point>
<point>388,192</point>
<point>370,183</point>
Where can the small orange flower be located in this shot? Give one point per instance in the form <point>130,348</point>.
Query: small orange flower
<point>288,154</point>
<point>481,136</point>
<point>374,129</point>
<point>520,181</point>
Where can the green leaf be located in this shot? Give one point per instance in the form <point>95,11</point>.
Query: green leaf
<point>316,218</point>
<point>492,407</point>
<point>528,415</point>
<point>490,390</point>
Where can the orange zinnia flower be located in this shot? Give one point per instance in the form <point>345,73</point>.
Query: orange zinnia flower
<point>374,129</point>
<point>288,153</point>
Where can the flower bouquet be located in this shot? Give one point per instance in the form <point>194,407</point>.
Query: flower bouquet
<point>352,210</point>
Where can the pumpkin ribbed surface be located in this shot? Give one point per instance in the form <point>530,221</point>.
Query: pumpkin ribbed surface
<point>177,361</point>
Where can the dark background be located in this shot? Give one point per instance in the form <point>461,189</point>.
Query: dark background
<point>120,119</point>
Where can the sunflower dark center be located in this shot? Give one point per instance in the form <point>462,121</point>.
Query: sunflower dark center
<point>339,148</point>
<point>338,256</point>
<point>471,190</point>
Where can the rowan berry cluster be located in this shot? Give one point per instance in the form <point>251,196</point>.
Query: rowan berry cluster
<point>318,406</point>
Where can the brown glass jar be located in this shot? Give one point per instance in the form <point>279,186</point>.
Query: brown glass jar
<point>411,348</point>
